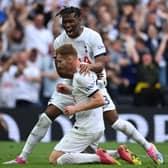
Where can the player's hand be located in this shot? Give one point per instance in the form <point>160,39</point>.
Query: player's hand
<point>84,68</point>
<point>61,88</point>
<point>69,110</point>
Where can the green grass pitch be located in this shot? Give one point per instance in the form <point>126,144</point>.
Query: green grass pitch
<point>39,157</point>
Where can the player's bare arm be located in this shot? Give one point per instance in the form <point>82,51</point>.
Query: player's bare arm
<point>96,100</point>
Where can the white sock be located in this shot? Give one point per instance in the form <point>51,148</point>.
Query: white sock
<point>113,153</point>
<point>36,135</point>
<point>78,158</point>
<point>128,129</point>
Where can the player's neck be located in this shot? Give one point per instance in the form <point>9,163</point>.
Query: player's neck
<point>80,30</point>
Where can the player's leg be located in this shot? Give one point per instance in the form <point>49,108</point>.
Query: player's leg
<point>54,109</point>
<point>68,150</point>
<point>40,129</point>
<point>73,158</point>
<point>37,133</point>
<point>126,127</point>
<point>111,116</point>
<point>129,130</point>
<point>78,158</point>
<point>74,141</point>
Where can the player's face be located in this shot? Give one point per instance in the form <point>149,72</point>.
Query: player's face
<point>64,66</point>
<point>71,25</point>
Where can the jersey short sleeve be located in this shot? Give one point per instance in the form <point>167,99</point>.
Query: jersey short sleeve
<point>97,44</point>
<point>87,84</point>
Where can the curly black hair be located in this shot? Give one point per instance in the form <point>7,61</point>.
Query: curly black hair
<point>69,10</point>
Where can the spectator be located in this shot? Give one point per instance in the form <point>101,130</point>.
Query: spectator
<point>7,82</point>
<point>37,36</point>
<point>55,27</point>
<point>2,50</point>
<point>49,75</point>
<point>27,81</point>
<point>16,40</point>
<point>117,59</point>
<point>106,22</point>
<point>140,46</point>
<point>148,90</point>
<point>3,44</point>
<point>127,14</point>
<point>153,40</point>
<point>27,25</point>
<point>33,57</point>
<point>162,59</point>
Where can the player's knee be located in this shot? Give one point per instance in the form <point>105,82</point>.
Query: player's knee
<point>52,159</point>
<point>44,121</point>
<point>111,116</point>
<point>52,112</point>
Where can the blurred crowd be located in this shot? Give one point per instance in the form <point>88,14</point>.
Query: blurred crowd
<point>135,33</point>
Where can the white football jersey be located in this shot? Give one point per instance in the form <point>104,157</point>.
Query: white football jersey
<point>88,45</point>
<point>84,86</point>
